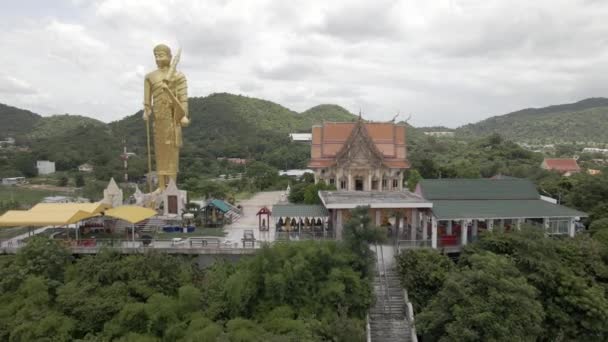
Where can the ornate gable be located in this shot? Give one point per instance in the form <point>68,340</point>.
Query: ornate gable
<point>359,150</point>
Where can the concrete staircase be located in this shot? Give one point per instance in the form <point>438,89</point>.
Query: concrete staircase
<point>388,317</point>
<point>234,213</point>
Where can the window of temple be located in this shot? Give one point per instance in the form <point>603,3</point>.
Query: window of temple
<point>375,184</point>
<point>384,184</point>
<point>395,183</point>
<point>332,181</point>
<point>343,184</point>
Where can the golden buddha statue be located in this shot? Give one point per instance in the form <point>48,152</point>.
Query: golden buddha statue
<point>166,101</point>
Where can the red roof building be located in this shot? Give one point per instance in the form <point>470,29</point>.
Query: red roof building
<point>565,166</point>
<point>359,155</point>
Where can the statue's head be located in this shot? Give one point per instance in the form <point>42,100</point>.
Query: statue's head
<point>162,55</point>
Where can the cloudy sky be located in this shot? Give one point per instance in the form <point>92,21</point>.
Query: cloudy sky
<point>444,62</point>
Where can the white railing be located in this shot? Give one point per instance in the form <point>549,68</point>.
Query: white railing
<point>409,314</point>
<point>368,329</point>
<point>203,245</point>
<point>411,244</point>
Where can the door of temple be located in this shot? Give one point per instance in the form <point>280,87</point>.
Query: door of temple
<point>358,184</point>
<point>172,204</point>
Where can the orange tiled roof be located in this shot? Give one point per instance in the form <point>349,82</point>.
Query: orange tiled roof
<point>329,139</point>
<point>562,165</point>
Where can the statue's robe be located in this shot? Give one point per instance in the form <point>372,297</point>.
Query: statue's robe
<point>166,121</point>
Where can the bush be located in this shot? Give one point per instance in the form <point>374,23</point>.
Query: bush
<point>487,300</point>
<point>422,273</point>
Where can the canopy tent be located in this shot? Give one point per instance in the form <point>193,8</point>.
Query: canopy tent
<point>93,208</point>
<point>14,218</point>
<point>131,213</point>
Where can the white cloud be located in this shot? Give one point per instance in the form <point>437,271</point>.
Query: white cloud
<point>448,62</point>
<point>12,85</point>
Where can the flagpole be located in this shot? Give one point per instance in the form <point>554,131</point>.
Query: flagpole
<point>149,156</point>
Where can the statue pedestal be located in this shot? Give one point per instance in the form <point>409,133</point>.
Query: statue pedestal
<point>174,200</point>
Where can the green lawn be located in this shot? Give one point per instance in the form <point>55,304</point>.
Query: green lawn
<point>25,195</point>
<point>243,195</point>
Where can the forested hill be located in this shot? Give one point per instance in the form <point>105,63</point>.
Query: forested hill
<point>223,125</point>
<point>236,126</point>
<point>15,122</point>
<point>583,121</point>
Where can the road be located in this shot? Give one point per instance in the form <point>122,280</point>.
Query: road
<point>249,220</point>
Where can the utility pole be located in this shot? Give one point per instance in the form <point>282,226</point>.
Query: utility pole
<point>125,160</point>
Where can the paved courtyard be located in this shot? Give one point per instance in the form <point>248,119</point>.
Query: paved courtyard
<point>249,220</point>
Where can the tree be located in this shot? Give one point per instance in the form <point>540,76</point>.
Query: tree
<point>602,238</point>
<point>358,234</point>
<point>487,300</point>
<point>26,164</point>
<point>311,193</point>
<point>413,179</point>
<point>43,257</point>
<point>422,273</point>
<point>598,225</point>
<point>296,194</point>
<point>79,181</point>
<point>263,175</point>
<point>63,181</point>
<point>212,189</point>
<point>569,274</point>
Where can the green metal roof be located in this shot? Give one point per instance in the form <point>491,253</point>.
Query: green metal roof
<point>299,210</point>
<point>221,205</point>
<point>482,209</point>
<point>478,189</point>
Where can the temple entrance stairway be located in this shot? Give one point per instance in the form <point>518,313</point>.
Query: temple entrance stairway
<point>387,317</point>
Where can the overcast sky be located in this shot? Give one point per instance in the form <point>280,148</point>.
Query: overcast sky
<point>444,62</point>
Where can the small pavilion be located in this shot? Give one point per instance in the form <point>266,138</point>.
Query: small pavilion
<point>264,223</point>
<point>301,220</point>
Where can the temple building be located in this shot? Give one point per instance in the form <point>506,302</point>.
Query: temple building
<point>366,162</point>
<point>359,156</point>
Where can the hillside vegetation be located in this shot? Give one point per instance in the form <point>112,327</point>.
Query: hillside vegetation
<point>59,125</point>
<point>223,125</point>
<point>15,122</point>
<point>583,121</point>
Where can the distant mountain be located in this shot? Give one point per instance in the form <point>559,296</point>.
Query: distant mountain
<point>583,121</point>
<point>58,125</point>
<point>320,113</point>
<point>15,122</point>
<point>235,126</point>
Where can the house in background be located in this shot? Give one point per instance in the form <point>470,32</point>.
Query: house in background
<point>45,167</point>
<point>86,167</point>
<point>565,166</point>
<point>13,181</point>
<point>301,137</point>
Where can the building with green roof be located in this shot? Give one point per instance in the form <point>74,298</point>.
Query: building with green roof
<point>464,207</point>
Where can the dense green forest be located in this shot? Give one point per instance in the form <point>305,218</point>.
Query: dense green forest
<point>223,125</point>
<point>583,121</point>
<point>516,286</point>
<point>307,291</point>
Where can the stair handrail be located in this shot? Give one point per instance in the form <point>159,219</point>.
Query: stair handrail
<point>409,316</point>
<point>382,287</point>
<point>368,329</point>
<point>386,292</point>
